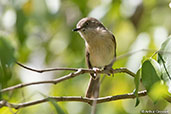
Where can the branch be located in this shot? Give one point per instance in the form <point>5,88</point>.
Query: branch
<point>46,70</point>
<point>71,75</point>
<point>73,98</point>
<point>76,69</point>
<point>106,71</point>
<point>53,81</point>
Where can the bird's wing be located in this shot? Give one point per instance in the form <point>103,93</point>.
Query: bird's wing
<point>88,62</point>
<point>114,41</point>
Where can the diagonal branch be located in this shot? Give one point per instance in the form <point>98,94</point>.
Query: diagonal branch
<point>71,75</point>
<point>73,98</point>
<point>53,81</point>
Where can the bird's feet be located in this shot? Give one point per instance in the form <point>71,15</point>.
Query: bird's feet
<point>108,70</point>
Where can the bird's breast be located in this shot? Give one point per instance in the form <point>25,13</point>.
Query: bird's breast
<point>101,50</point>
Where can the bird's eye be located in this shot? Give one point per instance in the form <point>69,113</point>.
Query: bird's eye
<point>87,23</point>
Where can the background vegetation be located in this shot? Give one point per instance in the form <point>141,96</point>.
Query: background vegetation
<point>38,33</point>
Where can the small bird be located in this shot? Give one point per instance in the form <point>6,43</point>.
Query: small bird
<point>100,46</point>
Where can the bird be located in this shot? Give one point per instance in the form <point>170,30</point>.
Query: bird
<point>100,48</point>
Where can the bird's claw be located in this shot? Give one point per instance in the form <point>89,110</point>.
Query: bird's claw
<point>108,70</point>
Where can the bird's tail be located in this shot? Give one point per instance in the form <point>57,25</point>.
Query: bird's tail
<point>93,87</point>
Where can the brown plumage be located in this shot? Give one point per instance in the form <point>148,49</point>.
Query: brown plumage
<point>100,49</point>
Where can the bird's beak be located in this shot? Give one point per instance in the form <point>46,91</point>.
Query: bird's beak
<point>76,29</point>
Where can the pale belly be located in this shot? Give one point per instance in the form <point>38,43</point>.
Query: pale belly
<point>101,53</point>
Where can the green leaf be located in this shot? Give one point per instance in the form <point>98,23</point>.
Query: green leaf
<point>136,81</point>
<point>6,52</point>
<point>137,102</point>
<point>7,60</point>
<point>150,73</point>
<point>164,59</point>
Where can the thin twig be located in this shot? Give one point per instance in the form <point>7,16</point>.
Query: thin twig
<point>118,70</point>
<point>141,50</point>
<point>163,62</point>
<point>93,108</point>
<point>46,70</point>
<point>123,70</point>
<point>73,98</point>
<point>133,52</point>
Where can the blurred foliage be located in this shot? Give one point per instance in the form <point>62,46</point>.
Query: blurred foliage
<point>39,34</point>
<point>6,62</point>
<point>152,80</point>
